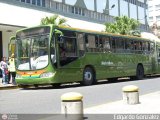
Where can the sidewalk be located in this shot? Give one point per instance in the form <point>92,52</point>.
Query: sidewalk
<point>7,86</point>
<point>149,104</point>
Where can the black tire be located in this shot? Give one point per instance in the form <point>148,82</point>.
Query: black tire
<point>88,76</point>
<point>139,72</point>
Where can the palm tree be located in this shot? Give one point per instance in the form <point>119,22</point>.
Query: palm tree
<point>122,25</point>
<point>55,19</point>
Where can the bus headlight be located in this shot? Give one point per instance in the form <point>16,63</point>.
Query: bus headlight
<point>45,75</point>
<point>18,76</point>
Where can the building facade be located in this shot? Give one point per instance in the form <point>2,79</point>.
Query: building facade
<point>85,14</point>
<point>154,16</point>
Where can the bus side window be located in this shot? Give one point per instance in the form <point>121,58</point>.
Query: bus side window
<point>132,46</point>
<point>106,44</point>
<point>120,45</point>
<point>149,47</point>
<point>138,46</point>
<point>135,46</point>
<point>96,44</point>
<point>113,42</point>
<point>152,47</point>
<point>90,43</point>
<point>86,43</point>
<point>100,44</point>
<point>145,47</point>
<point>80,39</point>
<point>127,46</point>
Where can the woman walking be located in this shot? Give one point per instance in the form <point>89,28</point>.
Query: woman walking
<point>4,68</point>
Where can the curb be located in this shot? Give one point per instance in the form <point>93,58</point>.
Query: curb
<point>111,102</point>
<point>8,87</point>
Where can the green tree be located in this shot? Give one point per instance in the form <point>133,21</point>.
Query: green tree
<point>55,19</point>
<point>122,25</point>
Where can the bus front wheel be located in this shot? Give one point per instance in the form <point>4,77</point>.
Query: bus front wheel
<point>88,76</point>
<point>139,72</point>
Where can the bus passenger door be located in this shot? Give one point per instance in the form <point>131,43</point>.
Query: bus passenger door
<point>67,57</point>
<point>67,51</point>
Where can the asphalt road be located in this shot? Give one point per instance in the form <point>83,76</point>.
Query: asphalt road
<point>46,100</point>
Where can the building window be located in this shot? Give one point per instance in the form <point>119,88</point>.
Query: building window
<point>43,3</point>
<point>157,7</point>
<point>39,2</point>
<point>72,9</point>
<point>28,1</point>
<point>150,8</point>
<point>34,2</point>
<point>77,10</point>
<point>150,18</point>
<point>158,18</point>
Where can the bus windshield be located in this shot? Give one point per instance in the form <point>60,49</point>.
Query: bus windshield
<point>32,52</point>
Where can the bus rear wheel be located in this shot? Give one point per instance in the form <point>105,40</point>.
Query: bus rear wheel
<point>139,72</point>
<point>88,76</point>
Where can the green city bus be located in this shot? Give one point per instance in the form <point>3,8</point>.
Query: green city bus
<point>54,55</point>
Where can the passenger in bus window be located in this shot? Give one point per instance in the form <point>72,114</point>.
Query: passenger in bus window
<point>106,45</point>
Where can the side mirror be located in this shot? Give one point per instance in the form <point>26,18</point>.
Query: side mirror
<point>60,39</point>
<point>59,35</point>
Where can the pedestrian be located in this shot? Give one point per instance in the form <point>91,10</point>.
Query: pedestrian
<point>4,68</point>
<point>12,70</point>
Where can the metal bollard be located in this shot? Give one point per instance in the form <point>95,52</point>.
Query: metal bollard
<point>72,106</point>
<point>131,94</point>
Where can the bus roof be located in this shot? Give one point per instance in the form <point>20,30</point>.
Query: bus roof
<point>90,32</point>
<point>150,36</point>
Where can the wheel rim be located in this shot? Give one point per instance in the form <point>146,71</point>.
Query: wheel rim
<point>88,76</point>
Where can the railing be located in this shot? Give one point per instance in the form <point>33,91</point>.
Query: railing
<point>72,11</point>
<point>84,13</point>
